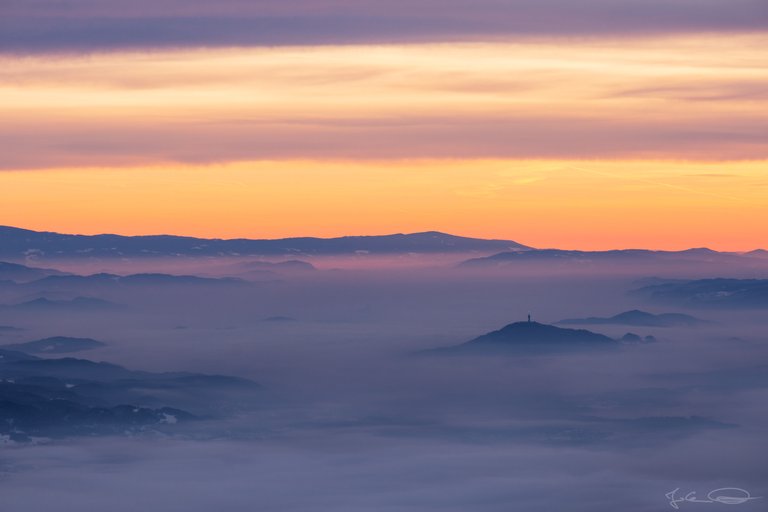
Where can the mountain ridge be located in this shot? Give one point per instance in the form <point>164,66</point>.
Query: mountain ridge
<point>18,243</point>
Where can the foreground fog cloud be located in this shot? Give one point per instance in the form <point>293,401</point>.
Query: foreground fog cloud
<point>345,473</point>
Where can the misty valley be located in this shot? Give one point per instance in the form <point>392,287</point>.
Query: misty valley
<point>409,372</point>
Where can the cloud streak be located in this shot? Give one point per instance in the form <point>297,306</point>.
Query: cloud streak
<point>533,100</point>
<point>96,143</point>
<point>88,25</point>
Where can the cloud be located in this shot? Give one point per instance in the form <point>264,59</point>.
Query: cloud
<point>98,143</point>
<point>627,99</point>
<point>746,91</point>
<point>92,26</point>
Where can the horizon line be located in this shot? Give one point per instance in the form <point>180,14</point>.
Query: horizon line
<point>427,232</point>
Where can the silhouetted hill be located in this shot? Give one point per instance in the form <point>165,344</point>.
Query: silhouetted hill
<point>55,345</point>
<point>631,338</point>
<point>727,293</point>
<point>638,318</point>
<point>12,356</point>
<point>34,410</point>
<point>68,396</point>
<point>532,337</point>
<point>17,364</point>
<point>18,243</point>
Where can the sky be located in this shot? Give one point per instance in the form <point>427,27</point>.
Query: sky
<point>595,124</point>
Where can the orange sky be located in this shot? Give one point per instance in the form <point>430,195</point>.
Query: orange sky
<point>655,142</point>
<point>586,204</point>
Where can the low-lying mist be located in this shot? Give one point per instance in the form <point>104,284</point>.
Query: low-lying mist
<point>350,414</point>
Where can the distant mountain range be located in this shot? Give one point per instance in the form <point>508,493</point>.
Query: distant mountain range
<point>20,244</point>
<point>624,257</point>
<point>722,293</point>
<point>639,319</point>
<point>531,338</point>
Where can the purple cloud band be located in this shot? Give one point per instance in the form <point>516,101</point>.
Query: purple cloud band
<point>31,26</point>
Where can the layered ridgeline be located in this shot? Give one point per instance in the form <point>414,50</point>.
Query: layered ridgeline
<point>35,291</point>
<point>18,244</point>
<point>86,291</point>
<point>33,280</point>
<point>534,338</point>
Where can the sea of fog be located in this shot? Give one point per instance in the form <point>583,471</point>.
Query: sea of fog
<point>350,416</point>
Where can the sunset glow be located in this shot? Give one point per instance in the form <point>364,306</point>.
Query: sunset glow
<point>587,143</point>
<point>383,255</point>
<point>586,204</point>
